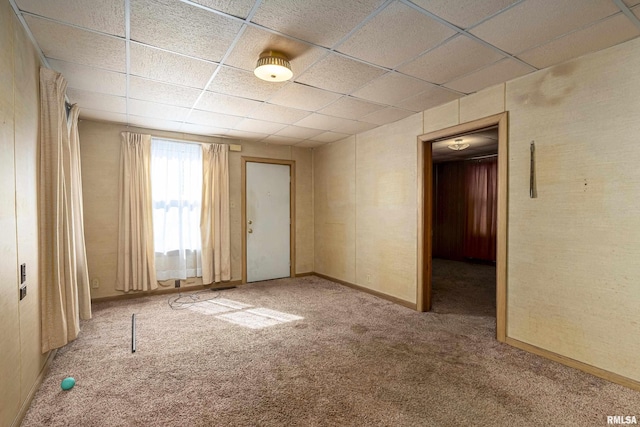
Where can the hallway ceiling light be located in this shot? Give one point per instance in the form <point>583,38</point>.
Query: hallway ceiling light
<point>458,145</point>
<point>273,67</point>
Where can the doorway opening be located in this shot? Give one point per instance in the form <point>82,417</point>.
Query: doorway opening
<point>268,219</point>
<point>487,139</point>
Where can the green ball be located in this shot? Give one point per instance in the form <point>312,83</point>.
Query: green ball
<point>68,383</point>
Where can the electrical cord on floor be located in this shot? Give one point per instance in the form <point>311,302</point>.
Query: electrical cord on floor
<point>182,301</point>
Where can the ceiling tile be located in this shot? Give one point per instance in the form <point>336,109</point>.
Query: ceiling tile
<point>278,113</point>
<point>603,34</point>
<point>455,58</point>
<point>239,8</point>
<point>281,140</point>
<point>203,130</point>
<point>207,118</point>
<point>388,115</point>
<point>158,111</point>
<point>532,23</point>
<point>254,41</point>
<point>329,137</point>
<point>162,93</point>
<point>320,121</point>
<point>248,136</point>
<point>391,88</point>
<point>169,67</point>
<point>259,126</point>
<point>631,3</point>
<point>71,44</point>
<point>350,108</point>
<point>235,82</point>
<point>153,123</point>
<point>464,14</point>
<point>303,97</point>
<point>310,144</point>
<point>636,12</point>
<point>339,74</point>
<point>90,78</point>
<point>299,132</point>
<point>321,22</point>
<point>97,101</point>
<point>499,72</point>
<point>183,28</point>
<point>104,116</point>
<point>99,15</point>
<point>354,127</point>
<point>383,40</point>
<point>432,97</point>
<point>219,103</point>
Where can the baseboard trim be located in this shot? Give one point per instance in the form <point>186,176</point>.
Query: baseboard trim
<point>34,388</point>
<point>396,300</point>
<point>310,273</point>
<point>572,363</point>
<point>166,291</point>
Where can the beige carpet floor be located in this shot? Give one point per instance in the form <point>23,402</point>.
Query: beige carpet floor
<point>348,359</point>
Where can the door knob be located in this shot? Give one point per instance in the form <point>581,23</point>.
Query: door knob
<point>250,231</point>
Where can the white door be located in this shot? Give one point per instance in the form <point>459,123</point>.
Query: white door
<point>268,221</point>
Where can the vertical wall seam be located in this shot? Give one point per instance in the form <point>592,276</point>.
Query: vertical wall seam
<point>355,209</point>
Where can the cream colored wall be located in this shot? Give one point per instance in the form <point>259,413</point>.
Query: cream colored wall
<point>572,252</point>
<point>20,359</point>
<point>100,154</point>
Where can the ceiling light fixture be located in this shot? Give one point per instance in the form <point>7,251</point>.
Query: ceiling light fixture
<point>273,67</point>
<point>458,145</point>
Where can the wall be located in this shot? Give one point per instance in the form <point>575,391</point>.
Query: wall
<point>572,252</point>
<point>21,362</point>
<point>100,154</point>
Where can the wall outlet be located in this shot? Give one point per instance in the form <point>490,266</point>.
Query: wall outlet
<point>95,283</point>
<point>23,292</point>
<point>23,273</point>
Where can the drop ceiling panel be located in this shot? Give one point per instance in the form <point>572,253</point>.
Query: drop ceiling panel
<point>280,140</point>
<point>182,28</point>
<point>602,35</point>
<point>322,22</point>
<point>254,41</point>
<point>91,79</point>
<point>383,40</point>
<point>97,101</point>
<point>71,44</point>
<point>352,127</point>
<point>169,67</point>
<point>203,130</point>
<point>239,8</point>
<point>387,115</point>
<point>259,126</point>
<point>532,23</point>
<point>465,13</point>
<point>207,118</point>
<point>235,82</point>
<point>329,137</point>
<point>303,97</point>
<point>163,93</point>
<point>278,113</point>
<point>310,144</point>
<point>99,15</point>
<point>299,132</point>
<point>636,11</point>
<point>501,71</point>
<point>153,123</point>
<point>339,74</point>
<point>429,98</point>
<point>350,108</point>
<point>159,111</point>
<point>220,103</point>
<point>320,121</point>
<point>100,115</point>
<point>391,88</point>
<point>248,136</point>
<point>457,57</point>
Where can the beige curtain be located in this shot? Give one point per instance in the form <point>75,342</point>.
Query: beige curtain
<point>136,263</point>
<point>214,218</point>
<point>61,234</point>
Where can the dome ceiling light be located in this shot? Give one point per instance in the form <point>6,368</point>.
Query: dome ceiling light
<point>273,67</point>
<point>458,145</point>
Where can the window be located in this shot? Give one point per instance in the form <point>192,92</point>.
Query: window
<point>176,192</point>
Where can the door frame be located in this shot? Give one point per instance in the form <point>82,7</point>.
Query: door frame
<point>425,213</point>
<point>292,210</point>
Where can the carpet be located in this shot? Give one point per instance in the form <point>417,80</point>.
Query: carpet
<point>335,357</point>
